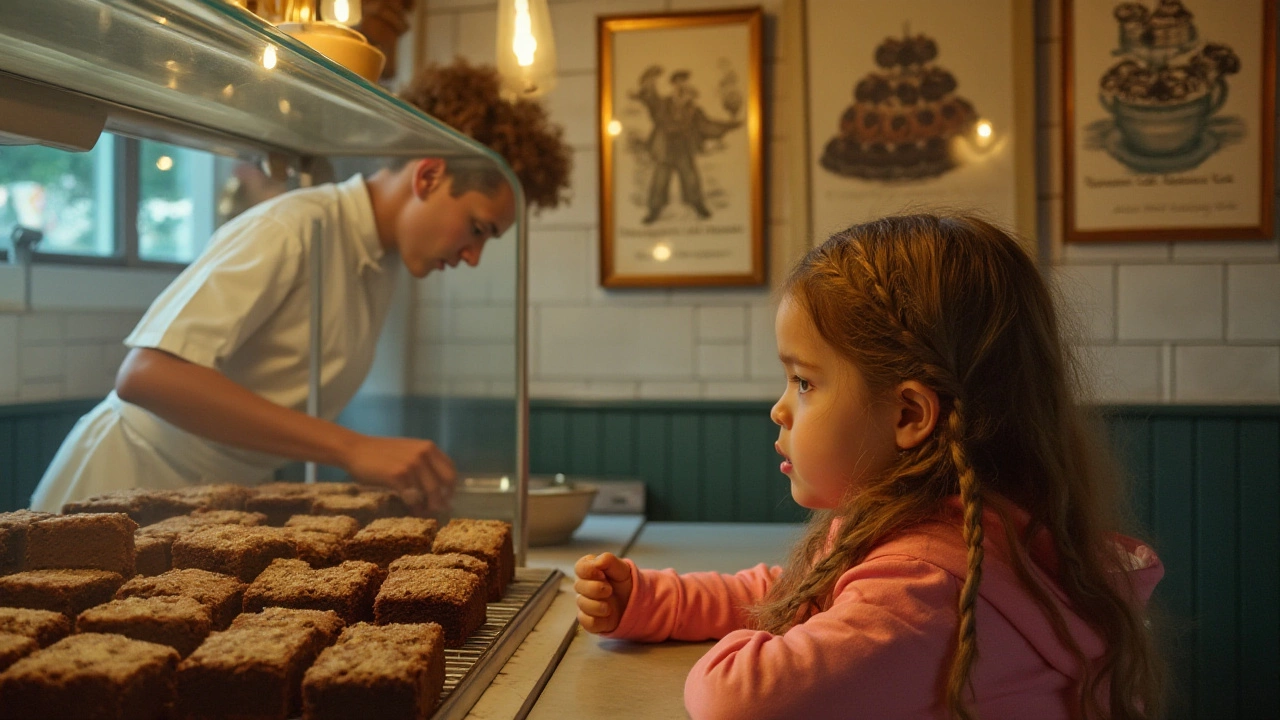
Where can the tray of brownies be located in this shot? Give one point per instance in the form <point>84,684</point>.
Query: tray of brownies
<point>324,600</point>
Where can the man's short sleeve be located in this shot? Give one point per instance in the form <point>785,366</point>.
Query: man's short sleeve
<point>212,307</point>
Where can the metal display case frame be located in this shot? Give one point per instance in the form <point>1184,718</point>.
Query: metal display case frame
<point>209,75</point>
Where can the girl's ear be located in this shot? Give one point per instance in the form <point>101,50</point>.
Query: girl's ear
<point>918,410</point>
<point>428,174</point>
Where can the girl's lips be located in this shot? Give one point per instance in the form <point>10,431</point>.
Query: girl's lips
<point>785,467</point>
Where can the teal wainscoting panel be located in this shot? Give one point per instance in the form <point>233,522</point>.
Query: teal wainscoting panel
<point>1258,592</point>
<point>30,435</point>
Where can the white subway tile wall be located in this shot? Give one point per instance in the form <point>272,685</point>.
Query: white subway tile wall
<point>1161,322</point>
<point>55,355</point>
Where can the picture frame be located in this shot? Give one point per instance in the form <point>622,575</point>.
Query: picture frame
<point>1168,120</point>
<point>918,106</point>
<point>681,158</point>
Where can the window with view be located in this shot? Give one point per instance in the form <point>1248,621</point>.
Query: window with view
<point>79,201</point>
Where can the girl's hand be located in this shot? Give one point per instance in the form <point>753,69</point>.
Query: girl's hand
<point>603,587</point>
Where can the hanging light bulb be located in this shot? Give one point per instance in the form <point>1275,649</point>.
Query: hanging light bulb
<point>526,50</point>
<point>342,12</point>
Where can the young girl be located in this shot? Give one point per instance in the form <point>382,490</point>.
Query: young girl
<point>962,561</point>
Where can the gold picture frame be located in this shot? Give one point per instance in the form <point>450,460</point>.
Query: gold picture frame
<point>1168,119</point>
<point>681,157</point>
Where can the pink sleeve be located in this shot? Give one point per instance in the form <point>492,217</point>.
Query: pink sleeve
<point>877,652</point>
<point>694,606</point>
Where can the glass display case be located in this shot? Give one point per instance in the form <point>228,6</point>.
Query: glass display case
<point>209,75</point>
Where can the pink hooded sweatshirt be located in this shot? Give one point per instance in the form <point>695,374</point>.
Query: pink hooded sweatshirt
<point>883,648</point>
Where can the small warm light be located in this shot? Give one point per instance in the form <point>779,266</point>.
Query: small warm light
<point>525,48</point>
<point>615,128</point>
<point>285,107</point>
<point>662,252</point>
<point>269,57</point>
<point>171,64</point>
<point>984,129</point>
<point>342,12</point>
<point>523,44</point>
<point>164,163</point>
<point>228,90</point>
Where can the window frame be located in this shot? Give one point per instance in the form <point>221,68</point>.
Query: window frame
<point>126,193</point>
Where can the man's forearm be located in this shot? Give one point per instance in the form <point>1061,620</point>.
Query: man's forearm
<point>207,403</point>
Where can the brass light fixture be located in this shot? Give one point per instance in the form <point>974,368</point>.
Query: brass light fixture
<point>328,27</point>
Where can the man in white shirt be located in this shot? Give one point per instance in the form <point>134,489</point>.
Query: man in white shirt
<point>214,388</point>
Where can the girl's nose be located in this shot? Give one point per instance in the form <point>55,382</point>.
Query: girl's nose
<point>778,414</point>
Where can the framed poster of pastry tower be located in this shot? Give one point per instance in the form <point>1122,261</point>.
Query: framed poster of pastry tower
<point>920,105</point>
<point>1168,119</point>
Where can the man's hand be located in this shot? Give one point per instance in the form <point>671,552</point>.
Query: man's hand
<point>603,587</point>
<point>418,469</point>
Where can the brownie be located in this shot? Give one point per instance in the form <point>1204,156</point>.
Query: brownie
<point>309,489</point>
<point>254,669</point>
<point>342,526</point>
<point>387,671</point>
<point>489,540</point>
<point>222,496</point>
<point>319,549</point>
<point>364,507</point>
<point>221,594</point>
<point>92,541</point>
<point>445,561</point>
<point>347,589</point>
<point>14,647</point>
<point>232,549</point>
<point>151,554</point>
<point>279,506</point>
<point>13,538</point>
<point>144,506</point>
<point>180,622</point>
<point>44,626</point>
<point>452,598</point>
<point>182,524</point>
<point>91,676</point>
<point>69,592</point>
<point>386,539</point>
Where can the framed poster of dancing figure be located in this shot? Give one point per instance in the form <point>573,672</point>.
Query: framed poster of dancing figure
<point>1168,120</point>
<point>917,105</point>
<point>681,187</point>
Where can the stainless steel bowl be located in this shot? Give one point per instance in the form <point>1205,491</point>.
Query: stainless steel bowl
<point>557,505</point>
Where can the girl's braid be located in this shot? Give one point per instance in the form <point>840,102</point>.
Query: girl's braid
<point>971,498</point>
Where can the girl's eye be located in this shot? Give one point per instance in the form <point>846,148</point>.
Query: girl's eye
<point>801,383</point>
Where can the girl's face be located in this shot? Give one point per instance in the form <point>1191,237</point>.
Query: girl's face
<point>833,434</point>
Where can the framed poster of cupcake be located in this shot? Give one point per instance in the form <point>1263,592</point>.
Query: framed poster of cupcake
<point>918,105</point>
<point>1169,120</point>
<point>681,187</point>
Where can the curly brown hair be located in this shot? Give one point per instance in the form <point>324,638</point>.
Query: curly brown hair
<point>467,97</point>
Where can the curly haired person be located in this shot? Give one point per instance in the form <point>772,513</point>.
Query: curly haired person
<point>215,385</point>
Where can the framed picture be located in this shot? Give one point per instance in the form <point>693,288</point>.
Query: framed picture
<point>918,105</point>
<point>1169,119</point>
<point>681,185</point>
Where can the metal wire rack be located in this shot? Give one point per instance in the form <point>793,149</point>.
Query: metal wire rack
<point>470,668</point>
